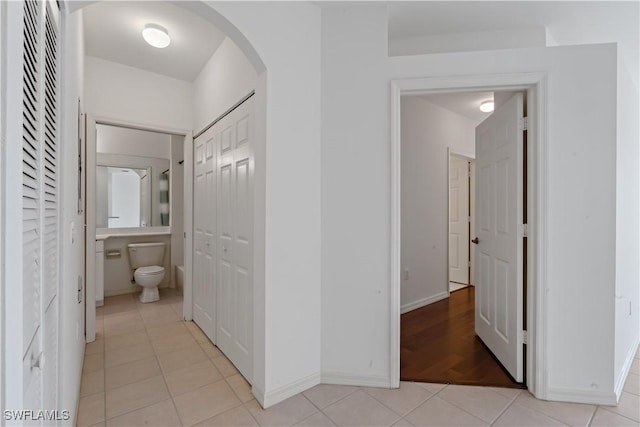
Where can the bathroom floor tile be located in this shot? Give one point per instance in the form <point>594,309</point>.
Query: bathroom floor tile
<point>172,343</point>
<point>439,412</point>
<point>324,395</point>
<point>402,400</point>
<point>131,372</point>
<point>132,353</point>
<point>225,367</point>
<point>95,347</point>
<point>90,410</point>
<point>241,387</point>
<point>93,362</point>
<point>159,414</point>
<point>136,395</point>
<point>481,402</point>
<point>604,418</point>
<point>569,413</point>
<point>360,409</point>
<point>192,377</point>
<point>126,340</point>
<point>184,358</point>
<point>166,330</point>
<point>316,420</point>
<point>236,417</point>
<point>92,382</point>
<point>205,402</point>
<point>287,413</point>
<point>211,350</point>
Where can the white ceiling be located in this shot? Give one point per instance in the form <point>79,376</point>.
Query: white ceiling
<point>113,31</point>
<point>566,22</point>
<point>113,28</point>
<point>466,104</point>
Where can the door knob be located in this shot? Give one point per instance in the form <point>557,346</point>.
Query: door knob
<point>476,241</point>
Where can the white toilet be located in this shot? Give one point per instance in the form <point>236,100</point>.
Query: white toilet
<point>147,259</point>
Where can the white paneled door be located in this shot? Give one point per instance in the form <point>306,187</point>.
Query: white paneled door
<point>235,237</point>
<point>499,254</point>
<point>458,220</point>
<point>223,235</point>
<point>204,224</point>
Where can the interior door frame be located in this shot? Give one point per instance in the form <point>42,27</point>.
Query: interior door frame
<point>90,163</point>
<point>452,152</point>
<point>535,84</point>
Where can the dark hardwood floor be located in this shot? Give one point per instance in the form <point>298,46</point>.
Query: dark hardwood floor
<point>438,344</point>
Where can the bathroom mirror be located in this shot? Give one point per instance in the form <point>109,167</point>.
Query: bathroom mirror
<point>132,178</point>
<point>124,197</point>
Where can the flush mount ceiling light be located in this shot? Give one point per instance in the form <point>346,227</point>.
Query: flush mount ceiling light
<point>486,106</point>
<point>156,35</point>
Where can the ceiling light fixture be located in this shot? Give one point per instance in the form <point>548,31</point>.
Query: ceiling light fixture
<point>486,106</point>
<point>156,36</point>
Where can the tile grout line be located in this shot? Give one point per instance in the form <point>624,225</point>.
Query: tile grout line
<point>604,408</point>
<point>513,399</point>
<point>392,410</point>
<point>164,379</point>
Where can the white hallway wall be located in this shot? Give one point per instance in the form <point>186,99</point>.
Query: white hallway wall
<point>356,198</point>
<point>72,232</point>
<point>131,95</point>
<point>427,131</point>
<point>627,292</point>
<point>286,35</point>
<point>225,79</point>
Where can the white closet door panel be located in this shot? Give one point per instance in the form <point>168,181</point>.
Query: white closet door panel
<point>235,238</point>
<point>204,232</point>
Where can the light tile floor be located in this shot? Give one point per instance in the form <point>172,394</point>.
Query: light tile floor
<point>148,367</point>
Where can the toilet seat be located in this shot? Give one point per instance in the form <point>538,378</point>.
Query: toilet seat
<point>150,270</point>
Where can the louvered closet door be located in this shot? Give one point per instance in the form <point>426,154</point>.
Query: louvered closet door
<point>40,203</point>
<point>235,238</point>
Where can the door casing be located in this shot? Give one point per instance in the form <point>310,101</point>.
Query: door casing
<point>90,207</point>
<point>535,84</point>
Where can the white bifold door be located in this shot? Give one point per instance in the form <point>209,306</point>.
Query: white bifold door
<point>204,236</point>
<point>223,219</point>
<point>499,254</point>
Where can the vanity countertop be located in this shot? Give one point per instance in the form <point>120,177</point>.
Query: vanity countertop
<point>105,233</point>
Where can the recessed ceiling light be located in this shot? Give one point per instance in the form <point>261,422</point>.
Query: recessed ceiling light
<point>486,106</point>
<point>156,35</point>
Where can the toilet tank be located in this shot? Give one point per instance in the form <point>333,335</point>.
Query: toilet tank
<point>145,254</point>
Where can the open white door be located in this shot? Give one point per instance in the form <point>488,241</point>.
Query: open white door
<point>499,260</point>
<point>458,220</point>
<point>204,224</point>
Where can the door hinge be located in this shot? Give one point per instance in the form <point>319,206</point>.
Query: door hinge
<point>469,263</point>
<point>524,337</point>
<point>524,123</point>
<point>468,219</point>
<point>525,230</point>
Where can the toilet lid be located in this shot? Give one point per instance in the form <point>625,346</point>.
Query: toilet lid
<point>153,269</point>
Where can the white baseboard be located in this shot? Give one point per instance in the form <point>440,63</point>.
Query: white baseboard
<point>286,391</point>
<point>626,367</point>
<point>346,378</point>
<point>422,302</point>
<point>575,395</point>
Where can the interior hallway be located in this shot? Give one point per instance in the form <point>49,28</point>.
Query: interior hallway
<point>147,367</point>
